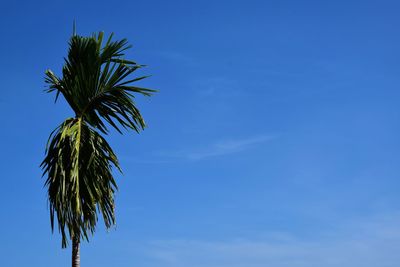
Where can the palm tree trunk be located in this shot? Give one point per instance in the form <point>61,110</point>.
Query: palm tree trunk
<point>76,257</point>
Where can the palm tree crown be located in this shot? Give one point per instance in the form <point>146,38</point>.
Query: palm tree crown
<point>78,163</point>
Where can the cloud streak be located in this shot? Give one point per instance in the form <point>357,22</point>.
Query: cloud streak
<point>368,244</point>
<point>217,149</point>
<point>224,147</point>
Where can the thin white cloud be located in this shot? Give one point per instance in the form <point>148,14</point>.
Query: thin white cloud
<point>220,148</point>
<point>371,243</point>
<point>218,87</point>
<point>144,161</point>
<point>178,57</point>
<point>224,147</point>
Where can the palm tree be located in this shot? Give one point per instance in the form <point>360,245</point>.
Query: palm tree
<point>78,164</point>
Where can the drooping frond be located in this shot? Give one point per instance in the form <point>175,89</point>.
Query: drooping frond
<point>96,82</point>
<point>97,85</point>
<point>79,166</point>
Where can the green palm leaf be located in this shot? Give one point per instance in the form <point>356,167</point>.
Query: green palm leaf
<point>95,83</point>
<point>79,162</point>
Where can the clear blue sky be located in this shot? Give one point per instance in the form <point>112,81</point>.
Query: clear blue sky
<point>273,141</point>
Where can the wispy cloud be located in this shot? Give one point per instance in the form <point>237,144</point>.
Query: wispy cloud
<point>220,148</point>
<point>219,87</point>
<point>371,243</point>
<point>177,57</point>
<point>224,147</point>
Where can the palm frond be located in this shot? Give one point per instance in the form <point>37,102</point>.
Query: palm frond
<point>79,165</point>
<point>96,83</point>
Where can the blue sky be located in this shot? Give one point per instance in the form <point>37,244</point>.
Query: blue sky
<point>273,140</point>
